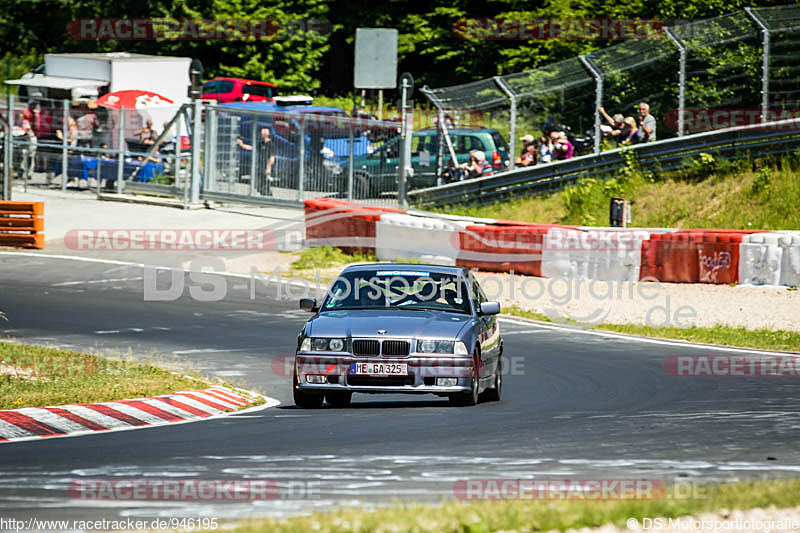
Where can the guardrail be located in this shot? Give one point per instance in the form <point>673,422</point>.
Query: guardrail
<point>22,224</point>
<point>733,143</point>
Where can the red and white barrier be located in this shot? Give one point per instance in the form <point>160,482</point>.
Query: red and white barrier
<point>432,240</point>
<point>606,254</point>
<point>601,254</point>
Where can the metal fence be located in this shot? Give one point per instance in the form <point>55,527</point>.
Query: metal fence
<point>102,149</point>
<point>778,137</point>
<point>698,76</point>
<point>275,156</point>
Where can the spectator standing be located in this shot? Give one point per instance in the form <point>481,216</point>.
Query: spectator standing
<point>72,134</point>
<point>147,134</point>
<point>87,123</point>
<point>265,160</point>
<point>27,134</point>
<point>616,125</point>
<point>647,123</point>
<point>528,157</point>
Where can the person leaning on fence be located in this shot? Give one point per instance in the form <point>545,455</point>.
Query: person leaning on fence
<point>526,141</point>
<point>545,149</point>
<point>478,166</point>
<point>528,157</point>
<point>647,122</point>
<point>87,124</point>
<point>265,159</point>
<point>616,125</point>
<point>147,134</point>
<point>563,149</point>
<point>72,136</point>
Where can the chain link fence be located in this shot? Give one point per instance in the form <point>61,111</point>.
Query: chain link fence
<point>100,148</point>
<point>288,157</point>
<point>732,70</point>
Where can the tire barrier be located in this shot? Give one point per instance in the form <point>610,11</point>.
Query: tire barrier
<point>401,237</point>
<point>22,224</point>
<point>717,256</point>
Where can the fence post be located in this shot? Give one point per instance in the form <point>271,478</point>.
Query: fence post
<point>681,77</point>
<point>598,101</point>
<point>177,159</point>
<point>765,46</point>
<point>301,169</point>
<point>196,119</point>
<point>512,121</point>
<point>209,149</point>
<point>121,160</point>
<point>64,135</point>
<point>7,147</point>
<point>253,155</point>
<point>350,158</point>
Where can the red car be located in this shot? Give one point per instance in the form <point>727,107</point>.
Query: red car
<point>226,90</point>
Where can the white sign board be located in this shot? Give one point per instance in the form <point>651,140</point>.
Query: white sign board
<point>376,58</point>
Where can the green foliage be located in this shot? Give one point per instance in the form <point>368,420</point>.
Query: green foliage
<point>326,257</point>
<point>761,182</point>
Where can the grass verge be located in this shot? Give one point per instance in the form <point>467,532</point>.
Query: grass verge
<point>762,339</point>
<point>535,515</point>
<point>34,376</point>
<point>710,193</point>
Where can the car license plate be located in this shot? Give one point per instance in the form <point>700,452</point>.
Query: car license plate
<point>379,369</point>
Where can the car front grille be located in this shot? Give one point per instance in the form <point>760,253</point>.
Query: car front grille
<point>366,347</point>
<point>374,347</point>
<point>395,347</point>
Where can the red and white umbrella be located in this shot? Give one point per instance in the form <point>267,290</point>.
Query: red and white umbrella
<point>134,99</point>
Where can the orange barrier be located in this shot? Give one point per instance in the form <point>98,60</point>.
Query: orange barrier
<point>22,224</point>
<point>493,248</point>
<point>348,225</point>
<point>693,256</point>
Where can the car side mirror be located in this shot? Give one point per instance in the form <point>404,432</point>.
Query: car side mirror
<point>490,308</point>
<point>309,304</point>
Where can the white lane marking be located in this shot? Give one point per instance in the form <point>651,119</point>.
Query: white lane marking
<point>91,281</point>
<point>229,373</point>
<point>649,340</point>
<point>12,431</point>
<point>107,331</point>
<point>51,419</point>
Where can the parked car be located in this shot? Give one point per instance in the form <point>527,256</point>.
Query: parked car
<point>399,328</point>
<point>226,90</point>
<point>376,173</point>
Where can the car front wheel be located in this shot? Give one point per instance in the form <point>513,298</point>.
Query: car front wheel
<point>470,397</point>
<point>339,398</point>
<point>305,400</point>
<point>493,394</point>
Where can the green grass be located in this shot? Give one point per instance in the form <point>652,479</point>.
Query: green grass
<point>464,517</point>
<point>763,339</point>
<point>709,194</point>
<point>49,376</point>
<point>327,257</point>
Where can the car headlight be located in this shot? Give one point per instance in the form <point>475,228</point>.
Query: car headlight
<point>428,346</point>
<point>460,349</point>
<point>306,345</point>
<point>324,344</point>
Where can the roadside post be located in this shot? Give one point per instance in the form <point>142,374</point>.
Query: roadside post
<point>405,168</point>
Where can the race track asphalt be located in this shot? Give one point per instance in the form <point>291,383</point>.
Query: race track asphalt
<point>575,405</point>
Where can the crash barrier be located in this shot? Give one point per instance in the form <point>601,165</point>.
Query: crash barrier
<point>552,251</point>
<point>400,236</point>
<point>349,226</point>
<point>22,224</point>
<point>770,258</point>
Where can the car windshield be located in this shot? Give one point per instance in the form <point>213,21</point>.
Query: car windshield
<point>398,289</point>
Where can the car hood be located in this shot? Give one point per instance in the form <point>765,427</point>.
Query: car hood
<point>397,323</point>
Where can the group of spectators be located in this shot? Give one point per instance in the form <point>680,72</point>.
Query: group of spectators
<point>546,148</point>
<point>627,130</point>
<point>557,146</point>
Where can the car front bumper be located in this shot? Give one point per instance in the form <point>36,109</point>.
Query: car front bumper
<point>423,372</point>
